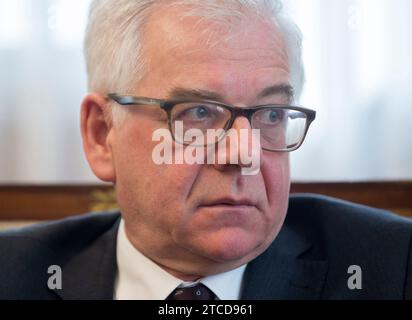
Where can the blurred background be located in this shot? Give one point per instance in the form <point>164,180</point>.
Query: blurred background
<point>358,59</point>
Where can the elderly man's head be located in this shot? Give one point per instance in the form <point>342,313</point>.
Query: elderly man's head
<point>191,219</point>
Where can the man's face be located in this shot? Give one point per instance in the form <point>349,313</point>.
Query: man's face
<point>201,219</point>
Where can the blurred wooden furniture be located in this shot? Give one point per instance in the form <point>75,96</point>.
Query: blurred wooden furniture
<point>37,203</point>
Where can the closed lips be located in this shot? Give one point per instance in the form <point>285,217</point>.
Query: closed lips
<point>229,202</point>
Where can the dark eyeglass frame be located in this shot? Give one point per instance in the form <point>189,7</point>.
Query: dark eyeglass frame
<point>167,105</point>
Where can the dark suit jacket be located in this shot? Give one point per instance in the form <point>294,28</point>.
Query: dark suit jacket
<point>309,259</point>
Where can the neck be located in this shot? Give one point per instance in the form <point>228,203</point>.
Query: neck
<point>177,274</point>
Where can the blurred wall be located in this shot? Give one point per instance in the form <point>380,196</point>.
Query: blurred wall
<point>358,68</point>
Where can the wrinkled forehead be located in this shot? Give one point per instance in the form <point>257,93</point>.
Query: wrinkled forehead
<point>184,29</point>
<point>236,59</point>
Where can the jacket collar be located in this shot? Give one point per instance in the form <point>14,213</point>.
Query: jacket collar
<point>90,275</point>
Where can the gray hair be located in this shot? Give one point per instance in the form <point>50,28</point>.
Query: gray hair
<point>114,50</point>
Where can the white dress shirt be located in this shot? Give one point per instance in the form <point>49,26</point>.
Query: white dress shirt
<point>139,278</point>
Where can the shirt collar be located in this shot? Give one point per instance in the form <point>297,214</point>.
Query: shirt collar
<point>139,278</point>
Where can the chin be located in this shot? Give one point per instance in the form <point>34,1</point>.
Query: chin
<point>232,245</point>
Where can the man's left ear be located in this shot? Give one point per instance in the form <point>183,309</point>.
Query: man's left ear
<point>97,134</point>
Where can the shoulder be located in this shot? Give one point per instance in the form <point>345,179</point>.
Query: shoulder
<point>27,253</point>
<point>76,231</point>
<point>347,234</point>
<point>346,222</point>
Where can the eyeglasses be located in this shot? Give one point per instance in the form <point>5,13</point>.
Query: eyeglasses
<point>283,128</point>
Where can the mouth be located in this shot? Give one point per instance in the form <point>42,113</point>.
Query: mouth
<point>229,212</point>
<point>229,203</point>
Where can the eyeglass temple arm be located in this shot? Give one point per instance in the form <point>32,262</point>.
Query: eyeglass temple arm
<point>130,100</point>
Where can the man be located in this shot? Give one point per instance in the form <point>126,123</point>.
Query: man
<point>209,230</point>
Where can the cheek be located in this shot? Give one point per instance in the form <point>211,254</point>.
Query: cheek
<point>154,194</point>
<point>276,175</point>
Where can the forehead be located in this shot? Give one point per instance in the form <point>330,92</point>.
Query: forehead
<point>188,48</point>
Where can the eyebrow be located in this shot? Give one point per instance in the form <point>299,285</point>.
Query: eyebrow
<point>185,93</point>
<point>283,89</point>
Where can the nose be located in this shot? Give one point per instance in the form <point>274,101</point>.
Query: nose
<point>240,148</point>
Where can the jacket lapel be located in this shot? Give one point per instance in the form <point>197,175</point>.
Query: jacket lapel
<point>90,275</point>
<point>280,275</point>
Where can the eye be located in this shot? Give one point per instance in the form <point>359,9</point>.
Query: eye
<point>271,116</point>
<point>190,112</point>
<point>200,112</point>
